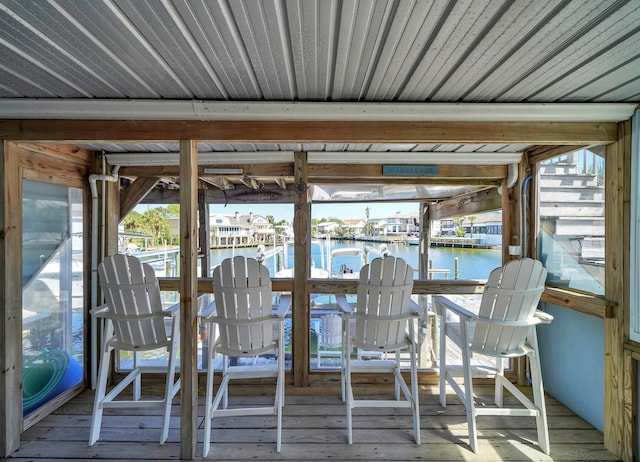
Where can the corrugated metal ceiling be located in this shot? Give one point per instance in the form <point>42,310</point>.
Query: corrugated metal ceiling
<point>321,50</point>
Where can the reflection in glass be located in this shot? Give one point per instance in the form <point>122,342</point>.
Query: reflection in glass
<point>52,292</point>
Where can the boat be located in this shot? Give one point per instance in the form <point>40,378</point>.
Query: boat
<point>348,260</point>
<point>316,272</point>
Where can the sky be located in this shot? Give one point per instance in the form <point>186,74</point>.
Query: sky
<point>341,211</point>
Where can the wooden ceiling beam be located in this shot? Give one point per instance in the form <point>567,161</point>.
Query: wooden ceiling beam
<point>542,153</point>
<point>248,170</point>
<point>319,173</point>
<point>307,131</point>
<point>481,201</point>
<point>136,191</point>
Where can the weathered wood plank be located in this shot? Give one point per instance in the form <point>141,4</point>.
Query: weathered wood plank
<point>11,299</point>
<point>307,131</point>
<point>302,249</point>
<point>315,429</point>
<point>617,435</point>
<point>136,191</point>
<point>320,172</point>
<point>584,303</point>
<point>188,296</point>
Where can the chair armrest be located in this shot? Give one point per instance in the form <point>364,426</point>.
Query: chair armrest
<point>415,308</point>
<point>285,304</point>
<point>454,307</point>
<point>343,304</point>
<point>545,318</point>
<point>208,311</point>
<point>173,310</point>
<point>100,311</point>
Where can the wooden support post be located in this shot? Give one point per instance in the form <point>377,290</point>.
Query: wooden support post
<point>508,212</point>
<point>618,426</point>
<point>301,256</point>
<point>11,300</point>
<point>425,239</point>
<point>203,233</point>
<point>188,298</point>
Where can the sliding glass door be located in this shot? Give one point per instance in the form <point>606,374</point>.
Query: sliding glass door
<point>52,291</point>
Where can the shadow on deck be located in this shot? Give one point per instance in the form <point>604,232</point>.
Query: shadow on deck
<point>314,428</point>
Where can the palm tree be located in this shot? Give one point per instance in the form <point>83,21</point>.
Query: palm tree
<point>471,219</point>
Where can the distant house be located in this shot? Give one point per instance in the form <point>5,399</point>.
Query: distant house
<point>354,226</point>
<point>399,224</point>
<point>327,227</point>
<point>239,229</point>
<point>486,227</point>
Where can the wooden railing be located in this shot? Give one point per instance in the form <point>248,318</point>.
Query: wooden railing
<point>584,303</point>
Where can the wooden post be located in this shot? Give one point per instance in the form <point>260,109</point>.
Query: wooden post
<point>425,239</point>
<point>508,205</point>
<point>203,233</point>
<point>11,299</point>
<point>301,256</point>
<point>188,298</point>
<point>618,421</point>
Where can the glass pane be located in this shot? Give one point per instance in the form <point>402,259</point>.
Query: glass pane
<point>152,233</point>
<point>52,292</point>
<point>571,209</point>
<point>349,235</point>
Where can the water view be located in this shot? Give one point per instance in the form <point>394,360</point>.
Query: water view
<point>472,263</point>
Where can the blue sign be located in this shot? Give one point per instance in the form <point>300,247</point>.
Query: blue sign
<point>410,170</point>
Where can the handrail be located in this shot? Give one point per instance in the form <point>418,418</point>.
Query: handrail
<point>584,303</point>
<point>345,286</point>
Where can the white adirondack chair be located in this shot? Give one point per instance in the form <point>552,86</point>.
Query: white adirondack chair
<point>504,328</point>
<point>134,320</point>
<point>383,321</point>
<point>329,337</point>
<point>243,316</point>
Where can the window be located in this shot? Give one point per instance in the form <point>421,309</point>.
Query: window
<point>52,292</point>
<point>571,210</point>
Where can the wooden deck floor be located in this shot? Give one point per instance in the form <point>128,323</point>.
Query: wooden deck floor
<point>314,429</point>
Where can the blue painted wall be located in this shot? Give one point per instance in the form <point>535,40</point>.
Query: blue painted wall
<point>572,355</point>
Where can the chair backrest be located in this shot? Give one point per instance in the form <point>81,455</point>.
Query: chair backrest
<point>382,310</point>
<point>330,331</point>
<point>242,290</point>
<point>511,294</point>
<point>132,293</point>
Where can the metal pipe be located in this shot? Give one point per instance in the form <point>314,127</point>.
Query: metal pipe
<point>523,212</point>
<point>93,179</point>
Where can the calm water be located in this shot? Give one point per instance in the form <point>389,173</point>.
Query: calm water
<point>473,264</point>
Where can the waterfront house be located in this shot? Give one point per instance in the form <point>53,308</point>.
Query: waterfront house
<point>236,229</point>
<point>400,225</point>
<point>453,105</point>
<point>354,226</point>
<point>240,229</point>
<point>327,227</point>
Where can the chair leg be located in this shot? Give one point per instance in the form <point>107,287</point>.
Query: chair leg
<point>499,389</point>
<point>414,392</point>
<point>96,417</point>
<point>443,360</point>
<point>539,401</point>
<point>208,411</point>
<point>468,389</point>
<point>395,381</point>
<point>137,383</point>
<point>280,388</point>
<point>168,393</point>
<point>348,389</point>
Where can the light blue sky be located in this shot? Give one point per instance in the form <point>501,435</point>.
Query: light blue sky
<point>324,210</point>
<point>321,210</point>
